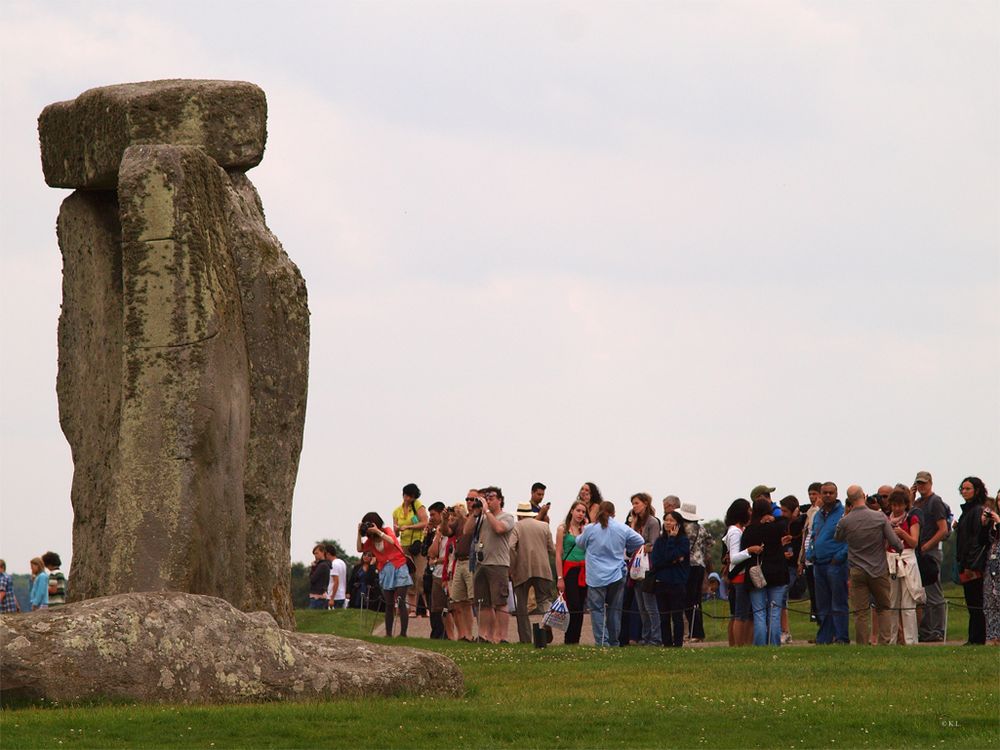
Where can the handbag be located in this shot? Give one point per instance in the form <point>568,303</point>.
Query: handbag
<point>558,615</point>
<point>639,565</point>
<point>757,575</point>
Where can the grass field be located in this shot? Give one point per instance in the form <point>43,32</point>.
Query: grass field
<point>517,696</point>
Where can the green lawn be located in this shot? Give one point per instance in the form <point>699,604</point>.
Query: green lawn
<point>517,696</point>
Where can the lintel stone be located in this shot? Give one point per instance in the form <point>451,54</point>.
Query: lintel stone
<point>83,140</point>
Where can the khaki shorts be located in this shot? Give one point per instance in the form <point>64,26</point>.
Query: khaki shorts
<point>460,586</point>
<point>491,585</point>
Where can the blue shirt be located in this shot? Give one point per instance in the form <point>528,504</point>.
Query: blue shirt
<point>40,590</point>
<point>670,559</point>
<point>823,548</point>
<point>606,549</point>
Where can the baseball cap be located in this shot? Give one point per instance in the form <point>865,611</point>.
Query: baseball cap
<point>760,489</point>
<point>923,476</point>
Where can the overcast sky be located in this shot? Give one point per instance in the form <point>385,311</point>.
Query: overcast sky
<point>671,247</point>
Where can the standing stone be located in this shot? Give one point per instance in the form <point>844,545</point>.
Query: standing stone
<point>183,345</point>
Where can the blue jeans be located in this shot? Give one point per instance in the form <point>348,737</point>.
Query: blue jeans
<point>606,624</point>
<point>318,603</point>
<point>649,613</point>
<point>831,602</point>
<point>767,604</point>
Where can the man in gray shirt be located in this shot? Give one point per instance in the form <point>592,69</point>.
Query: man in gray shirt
<point>866,532</point>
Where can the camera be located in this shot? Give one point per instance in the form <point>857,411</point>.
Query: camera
<point>364,526</point>
<point>477,503</point>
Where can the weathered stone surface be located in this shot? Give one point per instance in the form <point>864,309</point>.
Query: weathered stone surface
<point>182,648</point>
<point>83,140</point>
<point>90,369</point>
<point>183,348</point>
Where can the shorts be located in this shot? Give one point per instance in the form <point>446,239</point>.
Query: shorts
<point>739,602</point>
<point>391,577</point>
<point>492,582</point>
<point>460,588</point>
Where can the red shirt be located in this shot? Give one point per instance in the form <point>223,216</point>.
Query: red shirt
<point>390,551</point>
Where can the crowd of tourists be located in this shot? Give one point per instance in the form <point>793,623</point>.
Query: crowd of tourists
<point>47,585</point>
<point>644,579</point>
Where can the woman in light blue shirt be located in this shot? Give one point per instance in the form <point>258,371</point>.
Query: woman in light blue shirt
<point>606,544</point>
<point>39,585</point>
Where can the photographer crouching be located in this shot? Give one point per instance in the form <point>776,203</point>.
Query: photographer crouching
<point>393,574</point>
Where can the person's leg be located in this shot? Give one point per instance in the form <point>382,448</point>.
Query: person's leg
<point>932,621</point>
<point>785,630</point>
<point>811,585</point>
<point>824,595</point>
<point>574,595</point>
<point>616,592</point>
<point>663,612</point>
<point>692,602</point>
<point>776,596</point>
<point>521,612</point>
<point>390,610</point>
<point>653,610</point>
<point>973,591</point>
<point>404,616</point>
<point>758,603</point>
<point>596,603</point>
<point>837,577</point>
<point>895,607</point>
<point>628,613</point>
<point>880,593</point>
<point>678,597</point>
<point>731,628</point>
<point>860,594</point>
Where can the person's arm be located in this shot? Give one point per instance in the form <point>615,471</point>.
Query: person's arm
<point>470,521</point>
<point>890,535</point>
<point>500,527</point>
<point>942,530</point>
<point>840,533</point>
<point>435,549</point>
<point>560,533</point>
<point>633,541</point>
<point>736,556</point>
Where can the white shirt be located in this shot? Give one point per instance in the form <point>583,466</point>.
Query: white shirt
<point>337,568</point>
<point>734,535</point>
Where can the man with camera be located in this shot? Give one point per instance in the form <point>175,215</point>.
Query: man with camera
<point>933,529</point>
<point>491,528</point>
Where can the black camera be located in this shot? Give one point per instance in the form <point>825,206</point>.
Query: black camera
<point>477,503</point>
<point>365,526</point>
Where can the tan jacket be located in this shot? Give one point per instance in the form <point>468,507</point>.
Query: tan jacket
<point>530,550</point>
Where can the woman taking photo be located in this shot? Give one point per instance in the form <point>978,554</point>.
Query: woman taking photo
<point>990,536</point>
<point>970,554</point>
<point>409,521</point>
<point>647,525</point>
<point>740,625</point>
<point>606,543</point>
<point>670,563</point>
<point>393,574</point>
<point>766,601</point>
<point>905,589</point>
<point>571,570</point>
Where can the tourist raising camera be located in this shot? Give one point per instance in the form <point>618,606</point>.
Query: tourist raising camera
<point>490,555</point>
<point>393,574</point>
<point>409,521</point>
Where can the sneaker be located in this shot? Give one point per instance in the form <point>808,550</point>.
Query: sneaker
<point>786,638</point>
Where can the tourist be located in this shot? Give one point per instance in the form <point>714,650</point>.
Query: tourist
<point>8,602</point>
<point>647,525</point>
<point>670,563</point>
<point>970,554</point>
<point>319,579</point>
<point>394,577</point>
<point>457,625</point>
<point>905,588</point>
<point>39,585</point>
<point>740,622</point>
<point>461,585</point>
<point>537,502</point>
<point>933,530</point>
<point>829,558</point>
<point>57,580</point>
<point>805,566</point>
<point>531,549</point>
<point>670,504</point>
<point>492,554</point>
<point>766,601</point>
<point>571,569</point>
<point>701,560</point>
<point>866,532</point>
<point>362,586</point>
<point>436,541</point>
<point>336,590</point>
<point>791,513</point>
<point>990,536</point>
<point>762,490</point>
<point>408,522</point>
<point>606,543</point>
<point>591,495</point>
